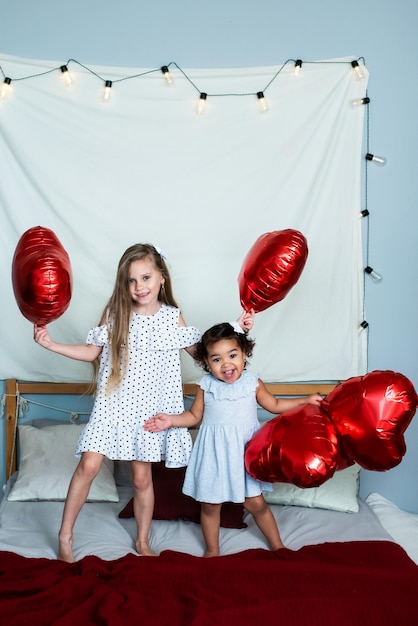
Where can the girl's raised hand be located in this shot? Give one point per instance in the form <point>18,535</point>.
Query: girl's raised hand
<point>246,320</point>
<point>160,421</point>
<point>41,336</point>
<point>315,398</point>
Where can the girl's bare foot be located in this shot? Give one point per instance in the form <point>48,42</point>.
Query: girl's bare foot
<point>65,550</point>
<point>143,548</point>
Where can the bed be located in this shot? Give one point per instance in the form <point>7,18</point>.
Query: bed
<point>347,560</point>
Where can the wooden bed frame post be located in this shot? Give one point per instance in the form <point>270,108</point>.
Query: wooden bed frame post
<point>11,406</point>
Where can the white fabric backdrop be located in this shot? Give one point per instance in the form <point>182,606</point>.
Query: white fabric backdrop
<point>146,168</point>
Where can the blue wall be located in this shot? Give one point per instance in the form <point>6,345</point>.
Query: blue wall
<point>240,33</point>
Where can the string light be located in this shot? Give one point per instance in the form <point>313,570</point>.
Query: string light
<point>107,91</point>
<point>262,104</point>
<point>6,88</point>
<point>357,70</point>
<point>377,278</point>
<point>298,67</point>
<point>167,75</point>
<point>364,213</point>
<point>362,327</point>
<point>201,103</point>
<point>66,75</point>
<point>360,101</point>
<point>379,160</point>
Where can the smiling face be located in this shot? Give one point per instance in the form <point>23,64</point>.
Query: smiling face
<point>145,282</point>
<point>226,360</point>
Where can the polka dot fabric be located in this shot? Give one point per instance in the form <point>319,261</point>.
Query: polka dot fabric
<point>152,384</point>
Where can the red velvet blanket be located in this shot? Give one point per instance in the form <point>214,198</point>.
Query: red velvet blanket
<point>344,584</point>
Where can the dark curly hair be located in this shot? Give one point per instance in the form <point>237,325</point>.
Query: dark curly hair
<point>217,333</point>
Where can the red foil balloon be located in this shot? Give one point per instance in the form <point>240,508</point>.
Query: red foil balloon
<point>370,414</point>
<point>271,268</point>
<point>299,447</point>
<point>41,276</point>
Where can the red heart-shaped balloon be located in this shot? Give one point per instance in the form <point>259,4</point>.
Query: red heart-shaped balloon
<point>271,268</point>
<point>41,276</point>
<point>370,414</point>
<point>299,446</point>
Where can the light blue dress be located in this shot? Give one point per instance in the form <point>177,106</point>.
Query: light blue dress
<point>216,471</point>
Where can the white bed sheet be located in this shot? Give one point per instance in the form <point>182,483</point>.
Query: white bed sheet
<point>30,529</point>
<point>402,525</point>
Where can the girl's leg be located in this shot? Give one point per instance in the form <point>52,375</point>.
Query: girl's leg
<point>143,505</point>
<point>210,520</point>
<point>265,520</point>
<point>87,469</point>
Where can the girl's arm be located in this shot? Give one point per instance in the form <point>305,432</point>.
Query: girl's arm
<point>190,349</point>
<point>162,421</point>
<point>279,405</point>
<point>246,320</point>
<point>84,352</point>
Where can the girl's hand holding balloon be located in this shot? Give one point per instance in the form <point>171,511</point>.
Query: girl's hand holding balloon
<point>315,399</point>
<point>41,336</point>
<point>246,320</point>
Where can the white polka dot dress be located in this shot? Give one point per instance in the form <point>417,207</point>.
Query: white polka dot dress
<point>151,385</point>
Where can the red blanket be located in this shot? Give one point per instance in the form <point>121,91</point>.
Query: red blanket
<point>344,584</point>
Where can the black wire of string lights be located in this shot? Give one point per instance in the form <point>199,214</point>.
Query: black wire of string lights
<point>365,213</point>
<point>356,66</point>
<point>203,95</point>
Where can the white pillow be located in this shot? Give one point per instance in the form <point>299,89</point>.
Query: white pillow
<point>338,493</point>
<point>402,525</point>
<point>47,463</point>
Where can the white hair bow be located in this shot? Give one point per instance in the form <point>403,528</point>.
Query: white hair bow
<point>161,253</point>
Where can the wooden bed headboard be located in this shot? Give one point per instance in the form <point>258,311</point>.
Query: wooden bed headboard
<point>15,388</point>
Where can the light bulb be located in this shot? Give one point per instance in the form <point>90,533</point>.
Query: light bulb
<point>357,69</point>
<point>201,103</point>
<point>262,104</point>
<point>6,88</point>
<point>66,76</point>
<point>379,160</point>
<point>298,67</point>
<point>359,102</point>
<point>107,91</point>
<point>377,278</point>
<point>167,75</point>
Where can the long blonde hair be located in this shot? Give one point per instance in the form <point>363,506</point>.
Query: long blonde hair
<point>117,312</point>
